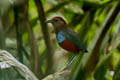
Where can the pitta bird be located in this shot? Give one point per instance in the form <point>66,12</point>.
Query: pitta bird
<point>66,37</point>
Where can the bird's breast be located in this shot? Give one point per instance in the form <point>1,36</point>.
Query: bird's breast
<point>66,44</point>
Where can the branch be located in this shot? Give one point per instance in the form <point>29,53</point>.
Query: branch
<point>2,35</point>
<point>63,74</point>
<point>34,57</point>
<point>48,41</point>
<point>7,58</point>
<point>18,32</point>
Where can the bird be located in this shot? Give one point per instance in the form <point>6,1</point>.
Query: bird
<point>67,38</point>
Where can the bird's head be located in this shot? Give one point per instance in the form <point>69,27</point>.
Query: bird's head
<point>57,22</point>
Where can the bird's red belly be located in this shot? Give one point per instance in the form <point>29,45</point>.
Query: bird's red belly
<point>67,45</point>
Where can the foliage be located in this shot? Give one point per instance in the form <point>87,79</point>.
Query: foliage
<point>23,31</point>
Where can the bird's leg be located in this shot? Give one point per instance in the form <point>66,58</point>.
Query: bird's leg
<point>71,60</point>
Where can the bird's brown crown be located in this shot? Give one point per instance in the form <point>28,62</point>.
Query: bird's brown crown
<point>59,18</point>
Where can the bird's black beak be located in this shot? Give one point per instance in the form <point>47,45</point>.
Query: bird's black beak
<point>49,21</point>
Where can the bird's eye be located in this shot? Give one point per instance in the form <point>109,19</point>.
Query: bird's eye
<point>56,20</point>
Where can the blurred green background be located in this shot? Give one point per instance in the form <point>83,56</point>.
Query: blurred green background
<point>23,33</point>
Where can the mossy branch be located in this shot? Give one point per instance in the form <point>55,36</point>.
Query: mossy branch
<point>11,61</point>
